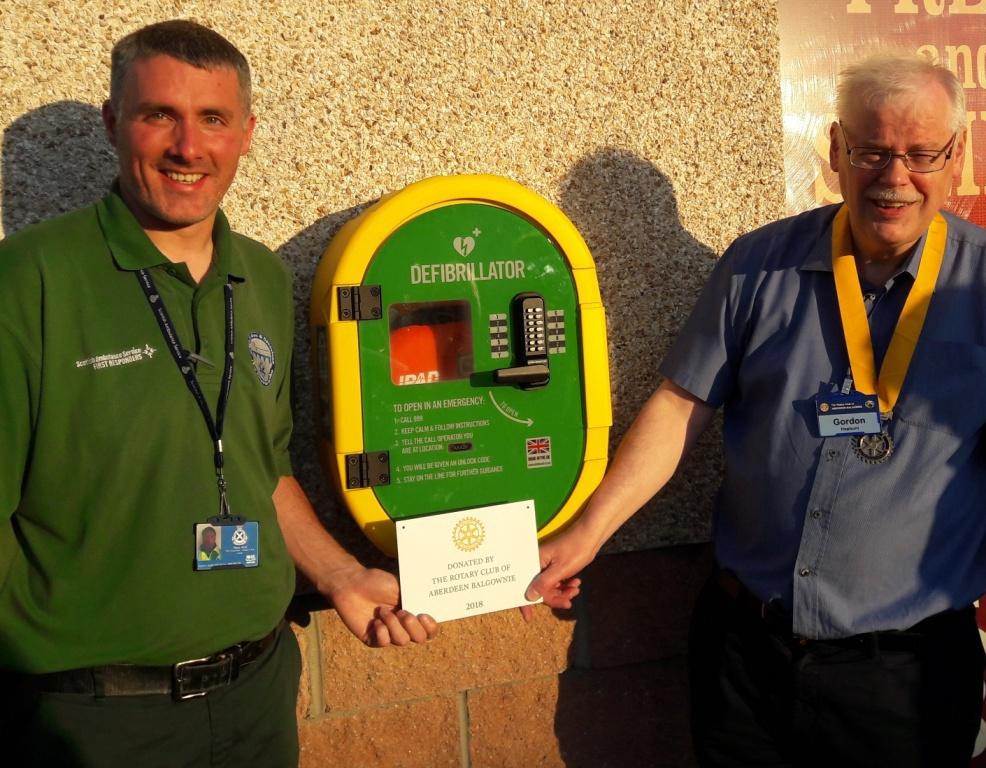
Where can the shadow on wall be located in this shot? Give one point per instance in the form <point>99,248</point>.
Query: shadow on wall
<point>650,271</point>
<point>302,254</point>
<point>55,159</point>
<point>650,268</point>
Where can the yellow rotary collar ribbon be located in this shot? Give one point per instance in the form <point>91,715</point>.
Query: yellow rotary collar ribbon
<point>855,325</point>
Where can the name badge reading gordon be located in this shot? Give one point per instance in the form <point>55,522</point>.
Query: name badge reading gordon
<point>470,562</point>
<point>850,415</point>
<point>233,544</point>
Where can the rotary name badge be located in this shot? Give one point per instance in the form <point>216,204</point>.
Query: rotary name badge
<point>847,415</point>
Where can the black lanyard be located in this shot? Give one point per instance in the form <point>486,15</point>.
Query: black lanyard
<point>183,358</point>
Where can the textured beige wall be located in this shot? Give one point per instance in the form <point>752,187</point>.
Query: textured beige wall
<point>655,125</point>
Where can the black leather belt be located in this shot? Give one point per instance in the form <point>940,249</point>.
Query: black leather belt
<point>184,680</point>
<point>779,622</point>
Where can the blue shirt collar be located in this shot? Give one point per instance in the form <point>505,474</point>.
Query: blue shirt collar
<point>819,258</point>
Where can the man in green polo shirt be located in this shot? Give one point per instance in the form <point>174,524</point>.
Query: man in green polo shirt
<point>144,398</point>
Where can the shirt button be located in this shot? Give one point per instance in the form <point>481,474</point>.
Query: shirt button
<point>816,513</point>
<point>831,454</point>
<point>805,572</point>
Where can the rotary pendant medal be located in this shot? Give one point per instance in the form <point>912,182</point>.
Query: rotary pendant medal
<point>873,449</point>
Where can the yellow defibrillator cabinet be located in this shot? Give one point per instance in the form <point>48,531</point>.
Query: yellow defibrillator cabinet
<point>459,351</point>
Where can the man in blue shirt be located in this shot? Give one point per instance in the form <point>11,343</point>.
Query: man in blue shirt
<point>847,348</point>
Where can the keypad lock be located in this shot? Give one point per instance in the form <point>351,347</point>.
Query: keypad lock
<point>530,332</point>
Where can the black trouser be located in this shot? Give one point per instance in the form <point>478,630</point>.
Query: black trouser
<point>250,722</point>
<point>761,697</point>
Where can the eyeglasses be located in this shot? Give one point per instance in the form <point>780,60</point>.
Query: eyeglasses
<point>918,160</point>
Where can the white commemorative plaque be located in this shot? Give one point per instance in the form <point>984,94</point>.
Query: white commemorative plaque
<point>470,562</point>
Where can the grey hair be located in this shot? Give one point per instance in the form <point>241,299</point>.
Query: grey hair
<point>181,39</point>
<point>886,75</point>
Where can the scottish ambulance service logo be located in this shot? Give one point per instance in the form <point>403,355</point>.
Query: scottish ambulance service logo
<point>240,536</point>
<point>262,354</point>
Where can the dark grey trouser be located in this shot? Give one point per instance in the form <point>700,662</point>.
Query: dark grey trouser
<point>760,698</point>
<point>251,722</point>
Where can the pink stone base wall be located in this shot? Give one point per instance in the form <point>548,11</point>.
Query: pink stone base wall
<point>602,685</point>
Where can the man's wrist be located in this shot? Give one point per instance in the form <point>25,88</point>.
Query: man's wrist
<point>337,578</point>
<point>591,534</point>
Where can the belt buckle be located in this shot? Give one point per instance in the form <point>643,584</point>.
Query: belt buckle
<point>182,688</point>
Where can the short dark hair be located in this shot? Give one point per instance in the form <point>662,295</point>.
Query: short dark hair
<point>183,40</point>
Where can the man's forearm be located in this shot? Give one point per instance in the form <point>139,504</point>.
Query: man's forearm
<point>662,434</point>
<point>315,552</point>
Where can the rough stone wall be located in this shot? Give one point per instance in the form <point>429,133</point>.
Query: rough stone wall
<point>654,124</point>
<point>601,686</point>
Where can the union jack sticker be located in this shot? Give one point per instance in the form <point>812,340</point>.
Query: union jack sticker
<point>538,452</point>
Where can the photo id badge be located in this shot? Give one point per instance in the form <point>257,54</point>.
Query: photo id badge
<point>850,415</point>
<point>234,544</point>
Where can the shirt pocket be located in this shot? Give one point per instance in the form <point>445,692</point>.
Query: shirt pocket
<point>945,388</point>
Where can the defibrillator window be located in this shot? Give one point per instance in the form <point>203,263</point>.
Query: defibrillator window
<point>430,341</point>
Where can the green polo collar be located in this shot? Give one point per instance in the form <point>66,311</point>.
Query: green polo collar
<point>132,249</point>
